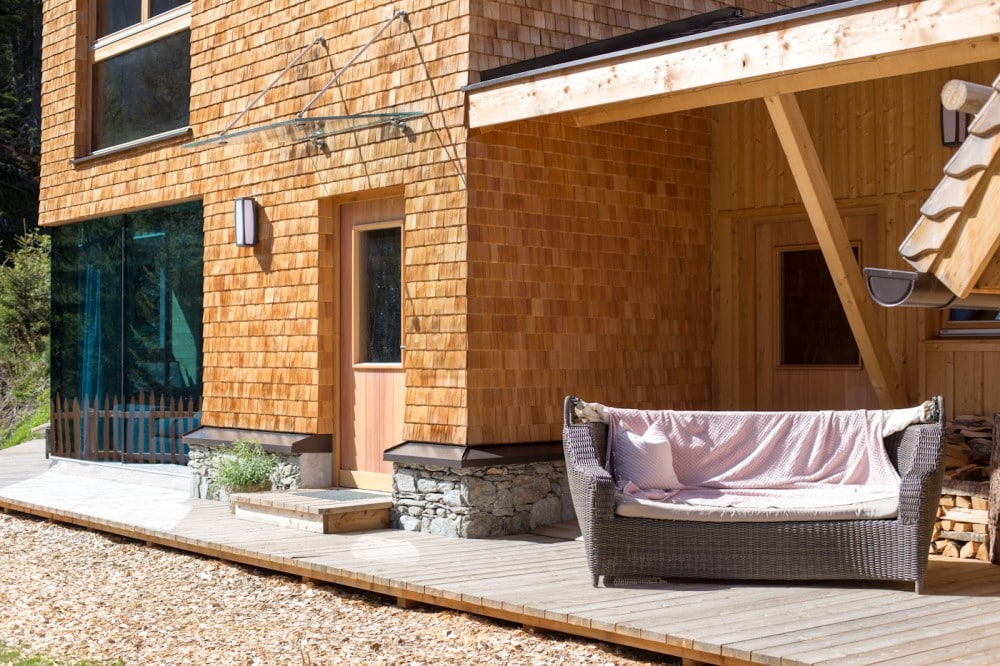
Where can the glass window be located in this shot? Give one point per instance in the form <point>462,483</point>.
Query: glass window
<point>970,322</point>
<point>115,15</point>
<point>127,303</point>
<point>143,92</point>
<point>814,329</point>
<point>379,294</point>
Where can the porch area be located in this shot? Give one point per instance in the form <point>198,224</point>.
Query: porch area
<point>541,580</point>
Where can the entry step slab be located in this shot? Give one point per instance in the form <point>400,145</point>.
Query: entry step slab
<point>320,511</point>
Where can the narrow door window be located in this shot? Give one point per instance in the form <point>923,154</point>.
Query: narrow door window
<point>813,327</point>
<point>379,295</point>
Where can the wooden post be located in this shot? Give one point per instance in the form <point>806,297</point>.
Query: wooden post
<point>836,247</point>
<point>993,539</point>
<point>963,96</point>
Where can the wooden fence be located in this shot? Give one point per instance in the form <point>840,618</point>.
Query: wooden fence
<point>144,428</point>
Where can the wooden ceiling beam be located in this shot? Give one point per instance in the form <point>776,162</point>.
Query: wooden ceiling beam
<point>835,245</point>
<point>813,51</point>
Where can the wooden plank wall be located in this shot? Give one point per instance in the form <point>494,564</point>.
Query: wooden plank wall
<point>880,146</point>
<point>588,249</point>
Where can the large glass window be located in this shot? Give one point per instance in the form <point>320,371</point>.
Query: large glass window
<point>126,306</point>
<point>141,71</point>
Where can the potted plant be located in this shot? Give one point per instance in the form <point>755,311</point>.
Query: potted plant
<point>244,467</point>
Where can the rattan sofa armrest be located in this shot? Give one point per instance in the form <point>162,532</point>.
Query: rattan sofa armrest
<point>921,471</point>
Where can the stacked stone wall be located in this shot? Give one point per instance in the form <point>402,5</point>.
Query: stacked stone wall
<point>480,502</point>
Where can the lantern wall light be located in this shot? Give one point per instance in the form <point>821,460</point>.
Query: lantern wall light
<point>246,222</point>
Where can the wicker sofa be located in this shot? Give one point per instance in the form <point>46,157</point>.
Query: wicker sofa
<point>632,550</point>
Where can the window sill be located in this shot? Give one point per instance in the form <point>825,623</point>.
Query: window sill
<point>182,132</point>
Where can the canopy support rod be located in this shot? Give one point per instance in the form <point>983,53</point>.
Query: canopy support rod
<point>399,14</point>
<point>318,40</point>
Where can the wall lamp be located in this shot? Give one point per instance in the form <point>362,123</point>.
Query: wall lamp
<point>954,127</point>
<point>246,222</point>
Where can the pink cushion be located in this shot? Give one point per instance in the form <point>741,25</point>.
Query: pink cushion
<point>646,460</point>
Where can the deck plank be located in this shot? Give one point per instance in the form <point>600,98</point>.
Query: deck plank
<point>542,580</point>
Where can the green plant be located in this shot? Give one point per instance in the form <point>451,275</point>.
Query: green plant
<point>245,465</point>
<point>21,430</point>
<point>16,657</point>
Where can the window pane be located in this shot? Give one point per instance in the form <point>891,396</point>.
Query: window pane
<point>127,301</point>
<point>379,295</point>
<point>814,329</point>
<point>157,7</point>
<point>114,15</point>
<point>86,310</point>
<point>163,286</point>
<point>143,92</point>
<point>966,315</point>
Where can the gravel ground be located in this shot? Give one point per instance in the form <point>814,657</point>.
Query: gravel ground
<point>75,594</point>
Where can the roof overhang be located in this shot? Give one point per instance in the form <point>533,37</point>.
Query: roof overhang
<point>821,47</point>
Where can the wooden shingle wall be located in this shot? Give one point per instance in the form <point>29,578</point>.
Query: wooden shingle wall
<point>881,149</point>
<point>271,327</point>
<point>270,336</point>
<point>588,271</point>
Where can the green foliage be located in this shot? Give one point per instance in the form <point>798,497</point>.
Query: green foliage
<point>14,657</point>
<point>21,431</point>
<point>20,90</point>
<point>25,279</point>
<point>245,465</point>
<point>24,338</point>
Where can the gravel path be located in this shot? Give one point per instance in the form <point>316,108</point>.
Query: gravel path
<point>72,593</point>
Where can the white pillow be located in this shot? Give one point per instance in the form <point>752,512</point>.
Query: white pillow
<point>646,460</point>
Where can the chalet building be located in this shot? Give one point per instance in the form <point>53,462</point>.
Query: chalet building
<point>386,240</point>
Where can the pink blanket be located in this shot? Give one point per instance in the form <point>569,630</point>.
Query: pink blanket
<point>763,459</point>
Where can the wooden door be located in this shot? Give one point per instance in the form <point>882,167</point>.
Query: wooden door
<point>806,354</point>
<point>371,354</point>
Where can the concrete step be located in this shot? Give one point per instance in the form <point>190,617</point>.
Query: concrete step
<point>321,511</point>
<point>173,477</point>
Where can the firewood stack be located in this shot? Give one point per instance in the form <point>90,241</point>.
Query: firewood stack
<point>963,514</point>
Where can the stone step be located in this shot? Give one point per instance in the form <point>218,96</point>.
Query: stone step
<point>320,511</point>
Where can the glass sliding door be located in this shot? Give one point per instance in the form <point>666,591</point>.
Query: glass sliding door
<point>126,338</point>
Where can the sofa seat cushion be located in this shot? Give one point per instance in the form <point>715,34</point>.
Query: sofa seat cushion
<point>708,505</point>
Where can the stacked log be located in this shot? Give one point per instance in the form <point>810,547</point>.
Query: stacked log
<point>962,527</point>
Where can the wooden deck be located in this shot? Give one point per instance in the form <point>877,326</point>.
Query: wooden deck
<point>541,580</point>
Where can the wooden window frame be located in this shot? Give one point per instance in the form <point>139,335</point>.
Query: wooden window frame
<point>948,329</point>
<point>356,293</point>
<point>147,31</point>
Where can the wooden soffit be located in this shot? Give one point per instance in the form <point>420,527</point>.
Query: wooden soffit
<point>815,48</point>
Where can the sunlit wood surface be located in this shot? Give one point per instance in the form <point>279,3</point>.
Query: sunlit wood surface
<point>541,580</point>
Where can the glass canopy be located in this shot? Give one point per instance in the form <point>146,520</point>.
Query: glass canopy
<point>308,129</point>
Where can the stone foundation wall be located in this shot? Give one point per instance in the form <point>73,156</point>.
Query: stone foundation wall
<point>204,461</point>
<point>479,502</point>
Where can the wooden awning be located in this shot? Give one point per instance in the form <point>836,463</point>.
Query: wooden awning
<point>769,59</point>
<point>817,47</point>
<point>958,234</point>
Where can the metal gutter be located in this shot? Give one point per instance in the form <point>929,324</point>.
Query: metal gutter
<point>893,288</point>
<point>750,23</point>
